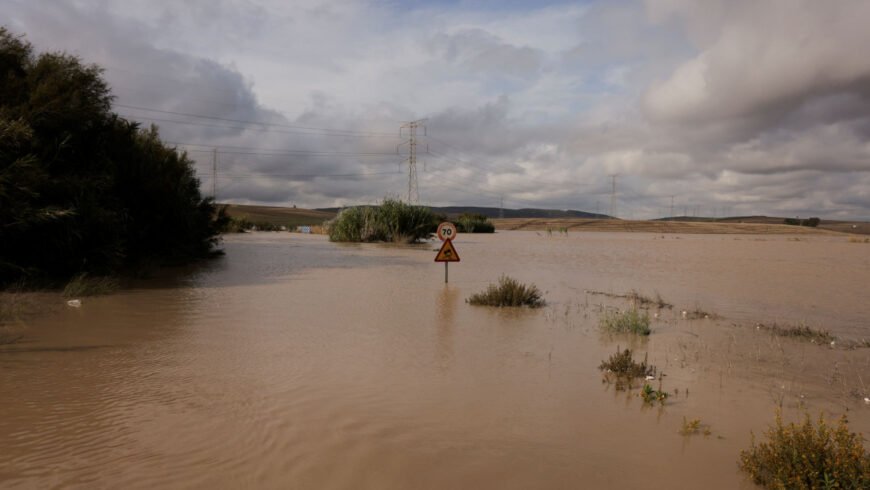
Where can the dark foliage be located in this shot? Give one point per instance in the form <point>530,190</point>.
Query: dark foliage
<point>474,223</point>
<point>81,189</point>
<point>812,222</point>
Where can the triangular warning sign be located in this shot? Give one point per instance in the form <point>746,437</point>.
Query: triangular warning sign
<point>447,253</point>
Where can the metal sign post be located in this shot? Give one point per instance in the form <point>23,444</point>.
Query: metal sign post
<point>447,253</point>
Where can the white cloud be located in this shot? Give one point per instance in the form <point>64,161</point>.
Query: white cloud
<point>763,107</point>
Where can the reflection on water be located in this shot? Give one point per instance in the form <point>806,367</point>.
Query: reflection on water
<point>296,363</point>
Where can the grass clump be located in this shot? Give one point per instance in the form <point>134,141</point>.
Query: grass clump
<point>801,332</point>
<point>808,455</point>
<point>391,221</point>
<point>84,285</point>
<point>508,292</point>
<point>628,321</point>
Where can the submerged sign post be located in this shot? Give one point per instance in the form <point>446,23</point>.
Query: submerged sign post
<point>447,253</point>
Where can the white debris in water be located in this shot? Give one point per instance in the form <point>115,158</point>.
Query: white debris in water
<point>650,378</point>
<point>867,400</point>
<point>75,303</point>
<point>685,313</point>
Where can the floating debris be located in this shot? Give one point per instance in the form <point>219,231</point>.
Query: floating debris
<point>75,303</point>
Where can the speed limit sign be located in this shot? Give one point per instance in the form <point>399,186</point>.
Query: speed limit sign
<point>446,231</point>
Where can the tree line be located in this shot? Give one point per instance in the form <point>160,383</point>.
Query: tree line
<point>83,190</point>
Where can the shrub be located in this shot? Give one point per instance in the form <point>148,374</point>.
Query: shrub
<point>628,321</point>
<point>82,285</point>
<point>622,364</point>
<point>621,368</point>
<point>474,223</point>
<point>808,456</point>
<point>508,292</point>
<point>392,221</point>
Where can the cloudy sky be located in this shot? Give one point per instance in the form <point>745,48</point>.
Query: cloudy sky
<point>721,107</point>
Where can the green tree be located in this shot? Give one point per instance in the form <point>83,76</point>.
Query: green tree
<point>81,189</point>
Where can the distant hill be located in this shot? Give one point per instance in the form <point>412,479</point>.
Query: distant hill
<point>292,217</point>
<point>454,211</point>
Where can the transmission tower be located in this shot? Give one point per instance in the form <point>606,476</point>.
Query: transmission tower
<point>613,196</point>
<point>411,127</point>
<point>214,160</point>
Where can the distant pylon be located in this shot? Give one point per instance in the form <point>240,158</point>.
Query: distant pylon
<point>613,196</point>
<point>411,126</point>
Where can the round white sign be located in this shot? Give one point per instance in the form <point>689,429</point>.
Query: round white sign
<point>446,231</point>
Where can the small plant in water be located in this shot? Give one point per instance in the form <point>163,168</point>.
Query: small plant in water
<point>508,292</point>
<point>628,321</point>
<point>651,395</point>
<point>803,332</point>
<point>621,369</point>
<point>694,426</point>
<point>808,455</point>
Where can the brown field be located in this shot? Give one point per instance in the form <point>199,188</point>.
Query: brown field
<point>691,227</point>
<point>289,217</point>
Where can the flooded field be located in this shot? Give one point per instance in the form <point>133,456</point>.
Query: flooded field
<point>298,363</point>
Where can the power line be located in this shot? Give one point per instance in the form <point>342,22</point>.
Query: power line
<point>241,128</point>
<point>334,132</point>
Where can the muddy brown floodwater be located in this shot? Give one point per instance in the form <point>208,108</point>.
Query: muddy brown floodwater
<point>298,363</point>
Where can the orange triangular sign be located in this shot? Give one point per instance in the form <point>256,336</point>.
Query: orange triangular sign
<point>447,253</point>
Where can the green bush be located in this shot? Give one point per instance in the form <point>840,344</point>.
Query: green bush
<point>474,223</point>
<point>808,456</point>
<point>391,221</point>
<point>508,292</point>
<point>628,321</point>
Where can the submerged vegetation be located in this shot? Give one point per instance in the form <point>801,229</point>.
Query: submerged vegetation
<point>84,285</point>
<point>391,221</point>
<point>508,292</point>
<point>808,455</point>
<point>651,395</point>
<point>694,426</point>
<point>621,369</point>
<point>802,332</point>
<point>83,190</point>
<point>631,320</point>
<point>638,299</point>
